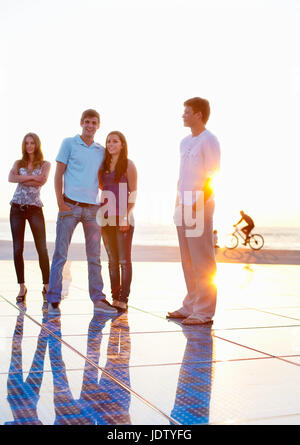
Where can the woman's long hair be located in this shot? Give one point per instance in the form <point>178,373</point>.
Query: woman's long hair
<point>38,154</point>
<point>121,166</point>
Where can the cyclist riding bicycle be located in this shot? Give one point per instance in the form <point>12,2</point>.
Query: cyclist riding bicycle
<point>246,229</point>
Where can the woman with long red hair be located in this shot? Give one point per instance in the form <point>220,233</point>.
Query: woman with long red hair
<point>30,173</point>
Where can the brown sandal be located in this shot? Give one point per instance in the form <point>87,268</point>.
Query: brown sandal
<point>21,298</point>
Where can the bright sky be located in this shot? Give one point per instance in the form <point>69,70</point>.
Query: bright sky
<point>136,61</point>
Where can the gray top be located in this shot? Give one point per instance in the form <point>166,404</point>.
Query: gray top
<point>28,195</point>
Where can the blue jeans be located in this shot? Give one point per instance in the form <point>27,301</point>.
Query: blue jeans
<point>66,223</point>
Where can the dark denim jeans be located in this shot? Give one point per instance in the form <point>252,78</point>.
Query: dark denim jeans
<point>118,248</point>
<point>35,217</point>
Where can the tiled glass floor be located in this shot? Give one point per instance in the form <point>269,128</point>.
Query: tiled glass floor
<point>142,369</point>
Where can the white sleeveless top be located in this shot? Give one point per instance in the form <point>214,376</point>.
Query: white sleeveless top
<point>28,195</point>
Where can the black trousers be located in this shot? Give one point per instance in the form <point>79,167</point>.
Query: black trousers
<point>247,229</point>
<point>35,217</point>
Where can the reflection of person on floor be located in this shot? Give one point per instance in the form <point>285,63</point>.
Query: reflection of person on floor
<point>117,365</point>
<point>103,402</point>
<point>195,378</point>
<point>246,229</point>
<point>23,395</point>
<point>68,410</point>
<point>108,403</point>
<point>66,279</point>
<point>247,276</point>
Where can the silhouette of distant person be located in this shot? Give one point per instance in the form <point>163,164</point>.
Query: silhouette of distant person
<point>246,229</point>
<point>215,239</point>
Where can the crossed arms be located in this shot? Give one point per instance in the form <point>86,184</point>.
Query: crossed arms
<point>29,180</point>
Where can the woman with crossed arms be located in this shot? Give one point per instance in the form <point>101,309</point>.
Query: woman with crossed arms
<point>30,173</point>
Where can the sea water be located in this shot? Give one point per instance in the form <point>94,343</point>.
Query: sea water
<point>287,238</point>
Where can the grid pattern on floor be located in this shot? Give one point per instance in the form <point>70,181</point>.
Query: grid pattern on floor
<point>138,367</point>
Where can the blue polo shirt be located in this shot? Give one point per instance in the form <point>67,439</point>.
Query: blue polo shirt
<point>81,175</point>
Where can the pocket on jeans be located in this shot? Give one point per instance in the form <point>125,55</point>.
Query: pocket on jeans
<point>36,209</point>
<point>14,211</point>
<point>93,212</point>
<point>65,213</point>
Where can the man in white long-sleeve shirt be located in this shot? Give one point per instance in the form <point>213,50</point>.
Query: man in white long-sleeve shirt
<point>200,159</point>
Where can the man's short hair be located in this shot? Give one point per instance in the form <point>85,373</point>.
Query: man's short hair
<point>198,104</point>
<point>90,113</point>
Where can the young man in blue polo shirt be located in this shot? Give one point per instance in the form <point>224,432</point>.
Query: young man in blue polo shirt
<point>76,187</point>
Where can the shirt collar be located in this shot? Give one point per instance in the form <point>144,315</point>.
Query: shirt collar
<point>81,142</point>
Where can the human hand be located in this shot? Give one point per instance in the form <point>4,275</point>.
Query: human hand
<point>124,228</point>
<point>27,178</point>
<point>63,207</point>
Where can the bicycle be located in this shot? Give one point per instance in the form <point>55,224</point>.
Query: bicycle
<point>255,240</point>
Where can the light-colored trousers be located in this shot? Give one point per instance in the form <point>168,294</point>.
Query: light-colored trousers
<point>199,268</point>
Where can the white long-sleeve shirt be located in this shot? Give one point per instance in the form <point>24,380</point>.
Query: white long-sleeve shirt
<point>199,160</point>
